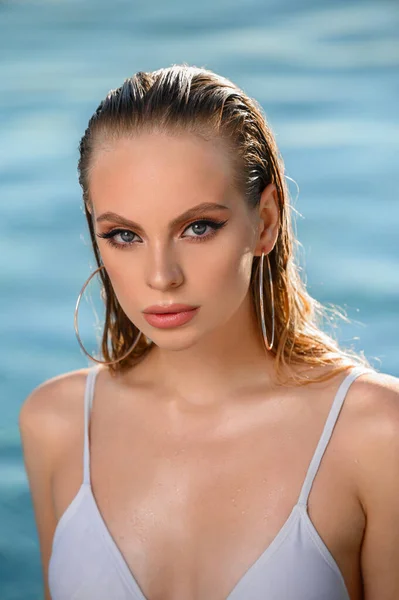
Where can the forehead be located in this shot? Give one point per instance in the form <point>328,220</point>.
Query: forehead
<point>154,168</point>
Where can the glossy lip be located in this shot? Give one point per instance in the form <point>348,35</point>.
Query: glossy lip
<point>166,320</point>
<point>170,308</point>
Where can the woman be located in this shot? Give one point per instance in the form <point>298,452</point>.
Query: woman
<point>222,461</point>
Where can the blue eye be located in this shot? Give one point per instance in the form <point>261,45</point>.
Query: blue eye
<point>204,224</point>
<point>111,235</point>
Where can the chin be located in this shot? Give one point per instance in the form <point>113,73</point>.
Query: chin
<point>175,339</point>
<point>180,342</point>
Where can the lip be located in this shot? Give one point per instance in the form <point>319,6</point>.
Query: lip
<point>175,319</point>
<point>170,308</point>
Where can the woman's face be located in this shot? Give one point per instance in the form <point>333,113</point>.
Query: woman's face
<point>164,258</point>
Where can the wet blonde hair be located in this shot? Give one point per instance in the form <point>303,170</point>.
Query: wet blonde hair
<point>196,100</point>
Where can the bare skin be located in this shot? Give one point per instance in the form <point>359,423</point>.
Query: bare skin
<point>196,495</point>
<point>197,454</point>
<point>152,180</point>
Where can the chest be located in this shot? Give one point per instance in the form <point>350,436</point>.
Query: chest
<point>191,513</point>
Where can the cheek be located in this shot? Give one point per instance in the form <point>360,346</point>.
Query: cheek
<point>230,276</point>
<point>125,283</point>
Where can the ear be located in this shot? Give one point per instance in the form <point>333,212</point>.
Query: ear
<point>269,220</point>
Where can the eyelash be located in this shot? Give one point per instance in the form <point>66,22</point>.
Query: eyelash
<point>215,225</point>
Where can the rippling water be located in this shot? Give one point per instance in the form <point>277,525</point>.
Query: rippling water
<point>326,74</point>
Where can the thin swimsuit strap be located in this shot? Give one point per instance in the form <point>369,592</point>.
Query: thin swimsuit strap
<point>327,432</point>
<point>88,399</point>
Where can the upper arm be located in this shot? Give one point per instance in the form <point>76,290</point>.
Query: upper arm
<point>379,486</point>
<point>41,445</point>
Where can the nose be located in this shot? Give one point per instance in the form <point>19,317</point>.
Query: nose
<point>163,271</point>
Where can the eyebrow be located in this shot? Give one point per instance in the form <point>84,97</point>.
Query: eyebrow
<point>188,214</point>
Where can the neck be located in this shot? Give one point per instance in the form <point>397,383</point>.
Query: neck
<point>217,366</point>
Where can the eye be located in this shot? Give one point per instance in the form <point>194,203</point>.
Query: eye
<point>123,233</point>
<point>204,223</point>
<point>127,236</point>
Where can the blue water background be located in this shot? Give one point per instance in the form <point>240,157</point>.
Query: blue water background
<point>326,74</point>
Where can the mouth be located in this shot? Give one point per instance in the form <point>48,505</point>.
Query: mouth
<point>171,309</point>
<point>170,319</point>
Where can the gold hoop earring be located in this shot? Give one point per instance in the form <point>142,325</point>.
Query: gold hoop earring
<point>262,308</point>
<point>101,362</point>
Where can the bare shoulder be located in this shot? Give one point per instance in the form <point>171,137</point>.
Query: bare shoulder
<point>50,402</point>
<point>50,417</point>
<point>373,418</point>
<point>375,404</point>
<point>375,460</point>
<point>49,392</point>
<point>47,418</point>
